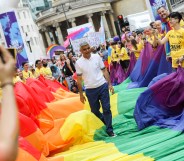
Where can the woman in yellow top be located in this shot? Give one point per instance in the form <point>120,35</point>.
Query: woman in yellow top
<point>176,40</point>
<point>124,57</point>
<point>136,48</point>
<point>115,52</point>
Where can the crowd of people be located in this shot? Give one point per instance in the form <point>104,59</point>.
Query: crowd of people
<point>91,68</point>
<point>115,51</point>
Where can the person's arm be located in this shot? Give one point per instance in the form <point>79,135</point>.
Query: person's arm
<point>158,41</point>
<point>106,75</point>
<point>79,82</point>
<point>9,122</point>
<point>69,66</point>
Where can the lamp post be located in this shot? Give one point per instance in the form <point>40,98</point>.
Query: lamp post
<point>68,26</point>
<point>28,42</point>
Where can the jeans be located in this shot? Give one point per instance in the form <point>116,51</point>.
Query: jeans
<point>95,97</point>
<point>69,81</point>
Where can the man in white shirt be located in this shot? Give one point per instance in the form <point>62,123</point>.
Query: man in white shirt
<point>91,69</point>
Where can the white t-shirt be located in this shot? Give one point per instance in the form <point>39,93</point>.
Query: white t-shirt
<point>90,70</point>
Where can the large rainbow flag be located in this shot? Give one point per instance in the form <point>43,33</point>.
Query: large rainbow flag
<point>56,126</point>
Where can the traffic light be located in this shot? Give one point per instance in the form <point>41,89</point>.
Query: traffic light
<point>121,21</point>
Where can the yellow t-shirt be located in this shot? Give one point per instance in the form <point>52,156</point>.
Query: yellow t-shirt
<point>150,39</point>
<point>47,72</point>
<point>16,79</point>
<point>182,23</point>
<point>176,41</point>
<point>124,55</point>
<point>140,46</point>
<point>39,71</point>
<point>27,74</point>
<point>115,54</point>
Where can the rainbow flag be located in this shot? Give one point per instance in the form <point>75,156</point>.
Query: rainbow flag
<point>56,126</point>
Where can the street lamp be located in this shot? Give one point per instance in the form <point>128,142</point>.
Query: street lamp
<point>68,26</point>
<point>29,42</point>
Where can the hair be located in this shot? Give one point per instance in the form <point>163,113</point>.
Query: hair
<point>151,24</point>
<point>83,44</point>
<point>36,62</point>
<point>53,68</point>
<point>114,43</point>
<point>176,15</point>
<point>121,44</point>
<point>161,7</point>
<point>63,56</point>
<point>134,43</point>
<point>69,53</point>
<point>24,63</point>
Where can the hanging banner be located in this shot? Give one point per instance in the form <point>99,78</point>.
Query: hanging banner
<point>13,36</point>
<point>153,5</point>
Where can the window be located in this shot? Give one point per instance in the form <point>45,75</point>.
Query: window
<point>22,27</point>
<point>31,40</point>
<point>35,40</point>
<point>32,27</point>
<point>24,14</point>
<point>28,29</point>
<point>19,15</point>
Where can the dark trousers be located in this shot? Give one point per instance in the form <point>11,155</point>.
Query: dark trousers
<point>95,97</point>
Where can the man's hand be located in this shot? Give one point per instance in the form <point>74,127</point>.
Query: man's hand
<point>111,89</point>
<point>82,98</point>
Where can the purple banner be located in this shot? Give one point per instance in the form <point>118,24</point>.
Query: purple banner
<point>13,36</point>
<point>155,4</point>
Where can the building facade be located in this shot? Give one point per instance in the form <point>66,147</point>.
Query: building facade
<point>128,7</point>
<point>177,5</point>
<point>53,25</point>
<point>30,34</point>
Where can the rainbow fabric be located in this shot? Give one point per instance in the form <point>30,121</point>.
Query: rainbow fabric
<point>56,126</point>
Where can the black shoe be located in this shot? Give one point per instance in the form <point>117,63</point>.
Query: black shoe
<point>111,134</point>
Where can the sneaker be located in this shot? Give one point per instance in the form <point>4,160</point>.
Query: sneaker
<point>111,134</point>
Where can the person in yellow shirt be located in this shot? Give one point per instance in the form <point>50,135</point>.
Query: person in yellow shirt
<point>148,32</point>
<point>124,57</point>
<point>115,52</point>
<point>46,70</point>
<point>39,68</point>
<point>158,26</point>
<point>16,77</point>
<point>176,40</point>
<point>136,48</point>
<point>26,73</point>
